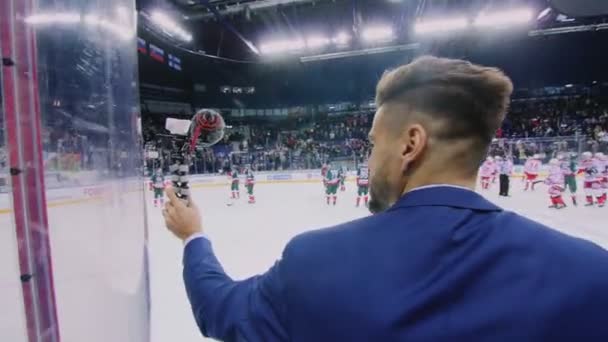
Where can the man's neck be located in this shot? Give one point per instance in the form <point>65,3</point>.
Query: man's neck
<point>435,181</point>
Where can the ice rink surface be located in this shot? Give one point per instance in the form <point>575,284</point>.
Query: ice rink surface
<point>249,238</point>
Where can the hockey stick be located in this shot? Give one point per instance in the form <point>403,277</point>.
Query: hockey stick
<point>205,129</point>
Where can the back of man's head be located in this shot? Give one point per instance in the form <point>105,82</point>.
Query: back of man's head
<point>460,104</point>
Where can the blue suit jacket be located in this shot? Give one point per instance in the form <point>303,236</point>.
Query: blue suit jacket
<point>443,264</point>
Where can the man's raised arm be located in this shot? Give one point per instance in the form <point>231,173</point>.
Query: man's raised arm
<point>252,310</point>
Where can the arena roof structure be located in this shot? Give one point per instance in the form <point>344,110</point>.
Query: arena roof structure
<point>327,29</point>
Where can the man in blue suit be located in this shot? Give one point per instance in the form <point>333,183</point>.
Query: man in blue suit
<point>437,262</point>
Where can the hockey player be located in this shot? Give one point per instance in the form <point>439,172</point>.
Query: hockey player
<point>342,177</point>
<point>531,169</point>
<point>555,181</point>
<point>249,183</point>
<point>486,171</point>
<point>362,184</point>
<point>569,167</point>
<point>331,185</point>
<point>234,184</point>
<point>495,173</point>
<point>602,161</point>
<point>324,169</point>
<point>157,184</point>
<point>590,167</point>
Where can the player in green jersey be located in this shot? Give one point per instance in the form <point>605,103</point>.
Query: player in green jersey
<point>331,185</point>
<point>157,184</point>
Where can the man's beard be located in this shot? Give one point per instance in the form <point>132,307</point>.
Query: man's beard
<point>379,193</point>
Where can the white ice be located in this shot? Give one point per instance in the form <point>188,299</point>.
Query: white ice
<point>249,238</point>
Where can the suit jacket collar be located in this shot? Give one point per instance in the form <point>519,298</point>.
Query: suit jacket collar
<point>445,196</point>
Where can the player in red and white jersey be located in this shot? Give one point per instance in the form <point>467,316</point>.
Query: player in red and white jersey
<point>496,160</point>
<point>531,169</point>
<point>487,169</point>
<point>556,181</point>
<point>603,166</point>
<point>590,168</point>
<point>602,161</point>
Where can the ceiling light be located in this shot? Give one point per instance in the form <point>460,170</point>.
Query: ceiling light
<point>316,42</point>
<point>51,18</point>
<point>544,13</point>
<point>440,25</point>
<point>281,46</point>
<point>378,34</point>
<point>169,26</point>
<point>342,39</point>
<point>504,18</point>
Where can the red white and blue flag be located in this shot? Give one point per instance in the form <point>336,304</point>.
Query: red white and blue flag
<point>157,53</point>
<point>141,46</point>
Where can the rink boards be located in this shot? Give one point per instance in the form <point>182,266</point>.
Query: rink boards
<point>58,196</point>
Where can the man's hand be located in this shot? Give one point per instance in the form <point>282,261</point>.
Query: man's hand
<point>181,219</point>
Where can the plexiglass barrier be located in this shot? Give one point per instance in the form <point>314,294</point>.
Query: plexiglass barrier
<point>72,217</point>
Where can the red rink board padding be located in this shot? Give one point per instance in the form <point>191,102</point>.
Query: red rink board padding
<point>23,121</point>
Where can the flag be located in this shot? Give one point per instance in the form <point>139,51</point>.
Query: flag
<point>141,46</point>
<point>175,62</point>
<point>157,53</point>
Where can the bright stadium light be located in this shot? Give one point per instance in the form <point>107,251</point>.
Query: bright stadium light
<point>91,19</point>
<point>564,19</point>
<point>53,18</point>
<point>117,29</point>
<point>504,18</point>
<point>378,34</point>
<point>542,15</point>
<point>120,30</point>
<point>282,46</point>
<point>170,26</point>
<point>440,25</point>
<point>122,11</point>
<point>317,42</point>
<point>341,39</point>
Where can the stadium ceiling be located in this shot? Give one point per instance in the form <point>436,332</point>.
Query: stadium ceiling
<point>200,10</point>
<point>241,29</point>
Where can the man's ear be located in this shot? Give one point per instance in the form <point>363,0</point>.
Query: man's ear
<point>414,142</point>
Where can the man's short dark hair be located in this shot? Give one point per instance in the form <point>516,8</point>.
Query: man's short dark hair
<point>467,101</point>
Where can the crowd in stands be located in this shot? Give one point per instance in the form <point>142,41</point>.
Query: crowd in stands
<point>532,126</point>
<point>548,125</point>
<point>73,147</point>
<point>70,149</point>
<point>299,143</point>
<point>566,116</point>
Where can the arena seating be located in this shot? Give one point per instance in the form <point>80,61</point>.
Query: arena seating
<point>280,145</point>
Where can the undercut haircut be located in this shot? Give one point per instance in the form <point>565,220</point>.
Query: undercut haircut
<point>464,100</point>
